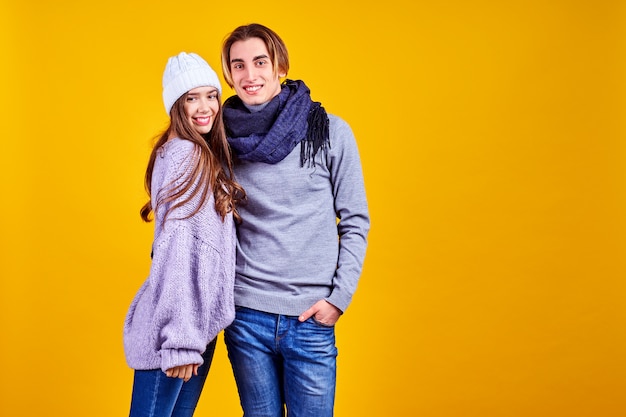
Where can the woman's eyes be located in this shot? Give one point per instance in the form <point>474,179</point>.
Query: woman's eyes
<point>212,96</point>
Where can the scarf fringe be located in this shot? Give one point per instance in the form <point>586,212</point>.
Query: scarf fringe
<point>317,135</point>
<point>272,133</point>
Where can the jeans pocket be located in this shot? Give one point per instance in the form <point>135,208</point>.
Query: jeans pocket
<point>319,323</point>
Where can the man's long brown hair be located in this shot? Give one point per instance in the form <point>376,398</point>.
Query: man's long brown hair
<point>211,167</point>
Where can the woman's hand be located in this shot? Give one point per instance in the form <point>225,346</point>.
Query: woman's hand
<point>184,372</point>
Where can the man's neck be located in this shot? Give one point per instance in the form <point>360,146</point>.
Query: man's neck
<point>256,107</point>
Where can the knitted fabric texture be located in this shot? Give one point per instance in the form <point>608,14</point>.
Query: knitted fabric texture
<point>185,72</point>
<point>271,134</point>
<point>291,252</point>
<point>187,298</point>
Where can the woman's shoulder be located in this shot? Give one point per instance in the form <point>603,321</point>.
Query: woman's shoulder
<point>176,147</point>
<point>174,157</point>
<point>177,150</point>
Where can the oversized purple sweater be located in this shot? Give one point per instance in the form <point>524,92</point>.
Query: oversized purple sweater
<point>187,298</point>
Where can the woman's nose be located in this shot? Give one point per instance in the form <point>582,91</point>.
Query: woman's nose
<point>204,106</point>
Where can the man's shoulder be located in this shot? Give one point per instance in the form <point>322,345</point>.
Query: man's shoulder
<point>334,119</point>
<point>338,128</point>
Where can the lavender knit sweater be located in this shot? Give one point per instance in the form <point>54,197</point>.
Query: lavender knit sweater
<point>188,297</point>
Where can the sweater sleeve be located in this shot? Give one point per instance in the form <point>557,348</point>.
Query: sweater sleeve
<point>182,261</point>
<point>351,210</point>
<point>180,306</point>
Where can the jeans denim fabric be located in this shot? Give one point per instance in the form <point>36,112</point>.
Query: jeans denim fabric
<point>157,395</point>
<point>280,363</point>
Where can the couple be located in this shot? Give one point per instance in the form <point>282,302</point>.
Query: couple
<point>280,284</point>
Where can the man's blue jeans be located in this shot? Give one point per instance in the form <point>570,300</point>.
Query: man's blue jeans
<point>157,395</point>
<point>281,363</point>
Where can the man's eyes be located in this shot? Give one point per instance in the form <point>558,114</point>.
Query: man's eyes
<point>259,63</point>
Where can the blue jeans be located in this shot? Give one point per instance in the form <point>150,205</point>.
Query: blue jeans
<point>280,363</point>
<point>156,395</point>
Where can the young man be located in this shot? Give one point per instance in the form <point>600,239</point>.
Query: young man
<point>297,266</point>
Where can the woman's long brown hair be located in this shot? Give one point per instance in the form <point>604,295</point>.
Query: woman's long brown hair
<point>212,166</point>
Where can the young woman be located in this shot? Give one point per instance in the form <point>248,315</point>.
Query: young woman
<point>187,299</point>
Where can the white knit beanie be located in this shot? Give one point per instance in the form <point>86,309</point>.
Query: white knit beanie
<point>184,72</point>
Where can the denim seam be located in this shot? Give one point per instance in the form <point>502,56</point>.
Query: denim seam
<point>155,394</point>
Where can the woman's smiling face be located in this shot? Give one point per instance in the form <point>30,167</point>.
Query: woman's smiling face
<point>201,106</point>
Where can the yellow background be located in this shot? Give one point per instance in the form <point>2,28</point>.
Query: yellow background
<point>492,140</point>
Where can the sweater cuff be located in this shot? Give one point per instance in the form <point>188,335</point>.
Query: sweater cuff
<point>171,358</point>
<point>338,301</point>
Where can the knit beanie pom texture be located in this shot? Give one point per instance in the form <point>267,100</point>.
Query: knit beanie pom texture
<point>185,72</point>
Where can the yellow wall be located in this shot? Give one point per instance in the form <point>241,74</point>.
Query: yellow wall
<point>492,139</point>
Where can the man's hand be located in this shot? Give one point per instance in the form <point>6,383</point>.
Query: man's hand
<point>323,312</point>
<point>183,372</point>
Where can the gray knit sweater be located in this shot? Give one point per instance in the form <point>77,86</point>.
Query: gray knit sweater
<point>291,250</point>
<point>188,297</point>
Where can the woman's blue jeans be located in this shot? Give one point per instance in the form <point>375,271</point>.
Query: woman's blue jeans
<point>157,395</point>
<point>280,363</point>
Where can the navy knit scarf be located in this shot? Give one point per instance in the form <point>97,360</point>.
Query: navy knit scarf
<point>271,134</point>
